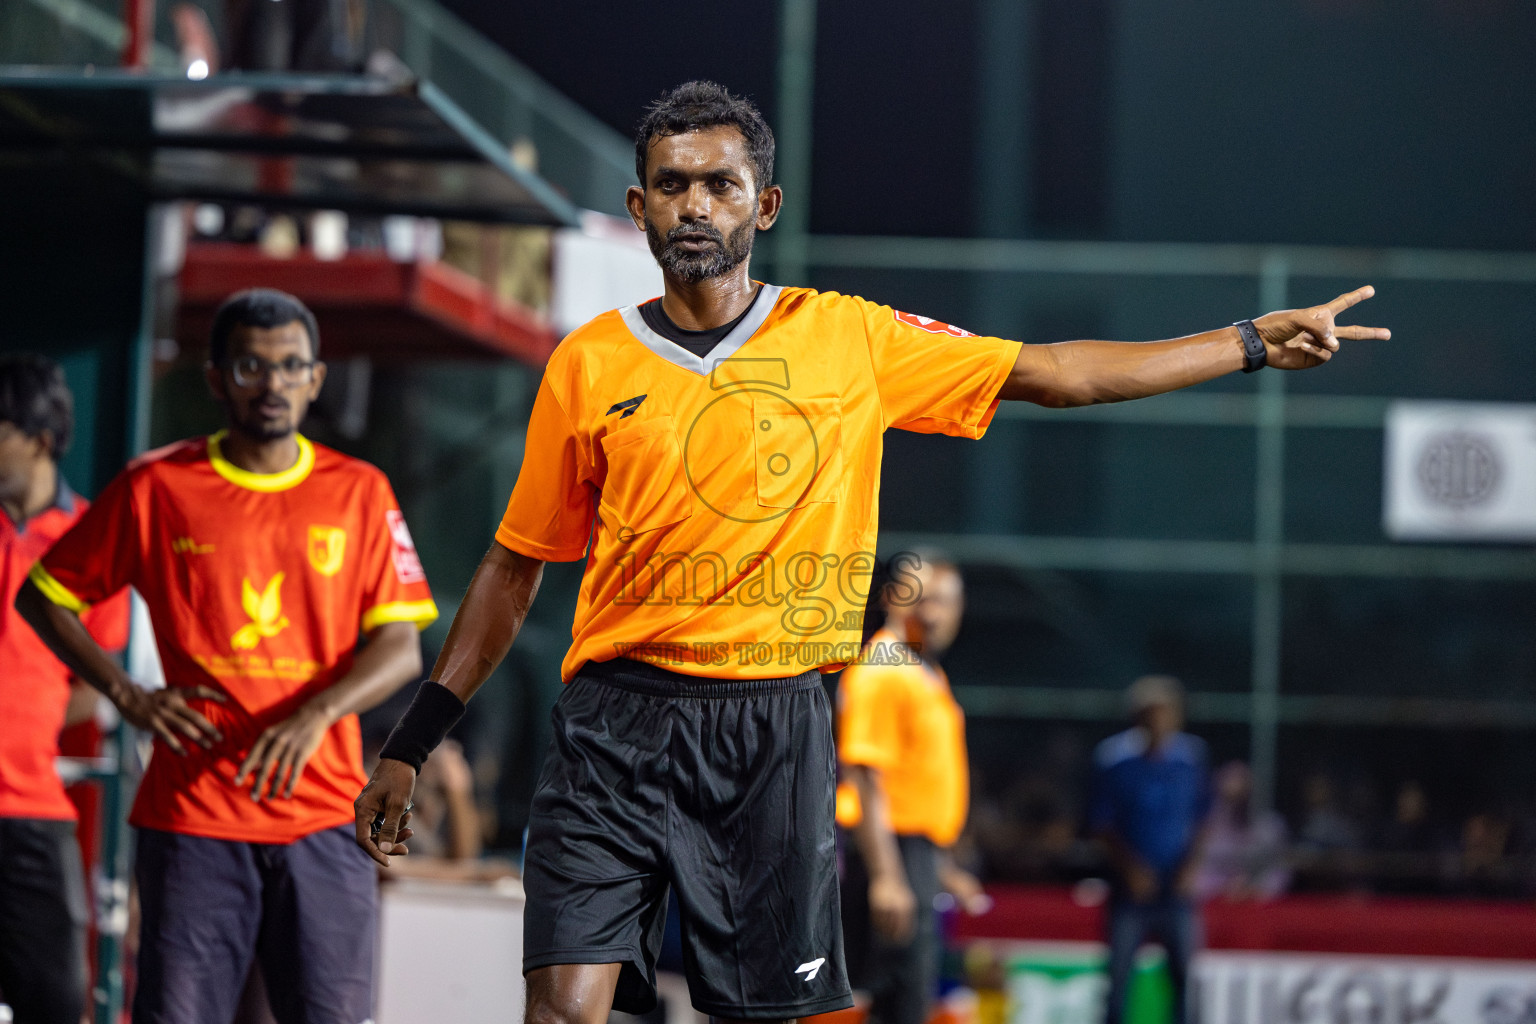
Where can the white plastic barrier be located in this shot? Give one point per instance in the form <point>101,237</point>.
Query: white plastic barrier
<point>451,952</point>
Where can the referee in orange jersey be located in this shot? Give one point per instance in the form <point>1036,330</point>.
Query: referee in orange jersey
<point>262,557</point>
<point>901,749</point>
<point>714,457</point>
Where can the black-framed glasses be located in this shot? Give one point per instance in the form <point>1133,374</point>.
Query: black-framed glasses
<point>292,372</point>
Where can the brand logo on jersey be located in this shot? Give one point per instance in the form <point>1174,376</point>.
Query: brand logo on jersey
<point>811,968</point>
<point>629,405</point>
<point>923,323</point>
<point>407,562</point>
<point>327,547</point>
<point>265,609</point>
<point>188,546</point>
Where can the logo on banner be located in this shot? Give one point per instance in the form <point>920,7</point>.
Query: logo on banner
<point>1459,470</point>
<point>407,562</point>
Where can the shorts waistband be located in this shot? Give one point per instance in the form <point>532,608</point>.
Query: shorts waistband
<point>655,681</point>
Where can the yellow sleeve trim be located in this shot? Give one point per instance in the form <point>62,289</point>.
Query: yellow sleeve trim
<point>423,613</point>
<point>55,591</point>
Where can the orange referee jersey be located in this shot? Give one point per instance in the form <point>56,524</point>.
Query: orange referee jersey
<point>727,505</point>
<point>896,714</point>
<point>258,586</point>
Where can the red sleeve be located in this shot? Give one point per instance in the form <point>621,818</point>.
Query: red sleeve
<point>396,588</point>
<point>97,557</point>
<point>935,378</point>
<point>108,621</point>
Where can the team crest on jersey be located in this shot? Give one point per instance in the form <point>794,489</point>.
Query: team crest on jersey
<point>923,323</point>
<point>265,610</point>
<point>327,548</point>
<point>407,562</point>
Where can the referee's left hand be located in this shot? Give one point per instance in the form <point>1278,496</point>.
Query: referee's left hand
<point>386,800</point>
<point>1295,339</point>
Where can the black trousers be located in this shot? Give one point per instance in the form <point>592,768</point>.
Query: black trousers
<point>42,921</point>
<point>901,978</point>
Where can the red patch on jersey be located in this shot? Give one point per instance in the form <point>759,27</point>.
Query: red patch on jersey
<point>407,562</point>
<point>922,323</point>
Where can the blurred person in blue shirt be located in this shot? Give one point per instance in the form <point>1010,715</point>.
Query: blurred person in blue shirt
<point>1151,799</point>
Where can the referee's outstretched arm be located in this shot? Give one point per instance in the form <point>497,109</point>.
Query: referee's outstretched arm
<point>1089,372</point>
<point>482,632</point>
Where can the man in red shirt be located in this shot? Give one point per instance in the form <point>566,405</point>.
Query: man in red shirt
<point>42,888</point>
<point>261,556</point>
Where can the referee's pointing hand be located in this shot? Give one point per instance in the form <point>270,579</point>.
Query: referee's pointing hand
<point>383,810</point>
<point>1295,339</point>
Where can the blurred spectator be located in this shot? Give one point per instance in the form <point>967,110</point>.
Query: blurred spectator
<point>901,746</point>
<point>1324,826</point>
<point>444,819</point>
<point>295,35</point>
<point>1245,853</point>
<point>1151,798</point>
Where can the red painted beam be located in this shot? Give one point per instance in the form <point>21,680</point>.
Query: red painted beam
<point>367,304</point>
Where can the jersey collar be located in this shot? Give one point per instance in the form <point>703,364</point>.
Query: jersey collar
<point>672,352</point>
<point>281,481</point>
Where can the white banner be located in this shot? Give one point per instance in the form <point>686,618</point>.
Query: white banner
<point>1300,988</point>
<point>1460,471</point>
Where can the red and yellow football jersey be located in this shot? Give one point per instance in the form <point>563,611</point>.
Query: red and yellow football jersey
<point>34,685</point>
<point>727,505</point>
<point>258,586</point>
<point>896,714</point>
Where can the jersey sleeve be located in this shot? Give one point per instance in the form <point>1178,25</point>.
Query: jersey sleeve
<point>396,586</point>
<point>97,557</point>
<point>869,717</point>
<point>107,622</point>
<point>549,516</point>
<point>934,378</point>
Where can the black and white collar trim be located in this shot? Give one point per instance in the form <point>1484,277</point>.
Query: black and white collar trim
<point>672,352</point>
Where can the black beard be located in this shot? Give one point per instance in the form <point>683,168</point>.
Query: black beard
<point>693,267</point>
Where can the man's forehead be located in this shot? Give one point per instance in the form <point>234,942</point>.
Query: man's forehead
<point>720,144</point>
<point>289,337</point>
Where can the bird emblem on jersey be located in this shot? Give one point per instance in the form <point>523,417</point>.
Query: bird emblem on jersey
<point>265,609</point>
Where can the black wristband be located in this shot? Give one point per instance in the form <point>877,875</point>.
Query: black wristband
<point>434,710</point>
<point>1255,355</point>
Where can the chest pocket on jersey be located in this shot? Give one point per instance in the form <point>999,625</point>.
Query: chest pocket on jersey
<point>797,450</point>
<point>645,488</point>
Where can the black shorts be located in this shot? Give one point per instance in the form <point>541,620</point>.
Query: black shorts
<point>721,788</point>
<point>42,921</point>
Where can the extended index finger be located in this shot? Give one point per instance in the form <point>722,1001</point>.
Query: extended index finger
<point>1353,298</point>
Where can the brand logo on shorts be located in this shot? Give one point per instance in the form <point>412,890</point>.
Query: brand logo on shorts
<point>811,968</point>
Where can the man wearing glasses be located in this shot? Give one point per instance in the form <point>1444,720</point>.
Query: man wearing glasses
<point>262,556</point>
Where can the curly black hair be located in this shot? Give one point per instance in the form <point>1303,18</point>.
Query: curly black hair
<point>696,105</point>
<point>34,397</point>
<point>259,307</point>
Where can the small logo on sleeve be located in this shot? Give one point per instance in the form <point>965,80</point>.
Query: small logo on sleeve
<point>811,968</point>
<point>407,562</point>
<point>627,408</point>
<point>924,323</point>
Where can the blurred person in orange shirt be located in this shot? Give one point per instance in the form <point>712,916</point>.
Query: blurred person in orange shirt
<point>262,558</point>
<point>43,907</point>
<point>901,748</point>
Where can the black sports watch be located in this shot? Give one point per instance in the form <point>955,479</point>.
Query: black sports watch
<point>1255,355</point>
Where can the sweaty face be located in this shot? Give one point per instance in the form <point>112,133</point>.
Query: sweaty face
<point>270,404</point>
<point>700,203</point>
